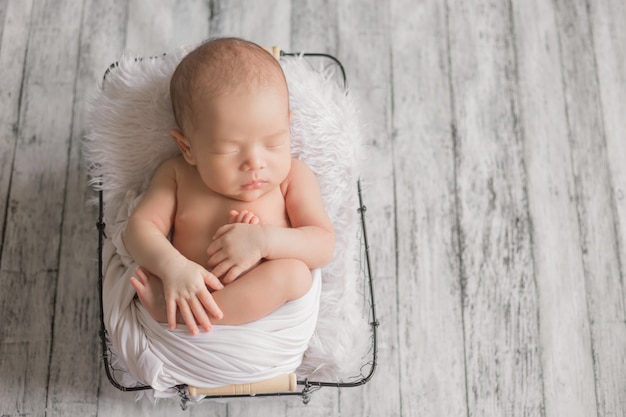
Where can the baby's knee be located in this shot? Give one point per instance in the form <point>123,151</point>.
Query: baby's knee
<point>298,277</point>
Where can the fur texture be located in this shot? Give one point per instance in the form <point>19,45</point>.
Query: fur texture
<point>130,121</point>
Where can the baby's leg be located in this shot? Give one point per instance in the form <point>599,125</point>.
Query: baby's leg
<point>253,296</point>
<point>262,290</point>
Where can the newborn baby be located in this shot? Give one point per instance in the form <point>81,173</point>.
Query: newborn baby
<point>233,212</point>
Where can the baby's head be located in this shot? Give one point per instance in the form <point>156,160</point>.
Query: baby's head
<point>231,104</point>
<point>218,67</point>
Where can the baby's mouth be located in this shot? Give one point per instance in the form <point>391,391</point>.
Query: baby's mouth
<point>254,185</point>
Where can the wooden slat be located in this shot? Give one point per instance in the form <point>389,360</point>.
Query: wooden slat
<point>609,39</point>
<point>432,377</point>
<point>597,213</point>
<point>73,390</point>
<point>314,28</point>
<point>15,32</point>
<point>499,294</point>
<point>30,255</point>
<point>158,26</point>
<point>364,47</point>
<point>4,6</point>
<point>564,323</point>
<point>265,23</point>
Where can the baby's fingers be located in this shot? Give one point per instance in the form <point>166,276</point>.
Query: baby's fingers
<point>200,315</point>
<point>222,268</point>
<point>171,313</point>
<point>188,318</point>
<point>211,306</point>
<point>232,274</point>
<point>250,218</point>
<point>232,216</point>
<point>212,281</point>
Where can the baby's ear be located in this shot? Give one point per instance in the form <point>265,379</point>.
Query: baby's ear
<point>184,145</point>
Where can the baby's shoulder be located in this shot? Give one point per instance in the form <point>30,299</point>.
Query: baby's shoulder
<point>174,165</point>
<point>299,169</point>
<point>170,171</point>
<point>300,174</point>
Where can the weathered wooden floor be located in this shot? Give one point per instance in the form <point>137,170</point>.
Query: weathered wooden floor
<point>495,184</point>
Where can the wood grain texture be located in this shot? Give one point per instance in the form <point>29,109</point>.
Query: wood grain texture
<point>365,47</point>
<point>430,324</point>
<point>267,23</point>
<point>503,367</point>
<point>314,26</point>
<point>595,205</point>
<point>609,42</point>
<point>156,27</point>
<point>74,390</point>
<point>14,41</point>
<point>566,354</point>
<point>30,256</point>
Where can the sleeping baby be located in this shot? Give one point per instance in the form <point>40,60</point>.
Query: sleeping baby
<point>228,230</point>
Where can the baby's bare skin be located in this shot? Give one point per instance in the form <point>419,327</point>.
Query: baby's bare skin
<point>200,212</point>
<point>289,274</point>
<point>235,154</point>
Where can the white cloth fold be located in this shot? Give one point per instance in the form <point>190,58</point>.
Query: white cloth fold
<point>163,358</point>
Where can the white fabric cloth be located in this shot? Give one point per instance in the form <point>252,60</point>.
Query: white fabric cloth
<point>163,358</point>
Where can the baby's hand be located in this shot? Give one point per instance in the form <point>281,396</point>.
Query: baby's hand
<point>236,247</point>
<point>187,290</point>
<point>243,216</point>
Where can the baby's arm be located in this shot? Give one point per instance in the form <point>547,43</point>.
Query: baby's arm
<point>145,238</point>
<point>310,239</point>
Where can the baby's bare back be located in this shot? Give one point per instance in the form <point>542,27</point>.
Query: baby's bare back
<point>200,212</point>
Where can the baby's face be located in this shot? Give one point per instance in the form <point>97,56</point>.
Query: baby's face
<point>241,142</point>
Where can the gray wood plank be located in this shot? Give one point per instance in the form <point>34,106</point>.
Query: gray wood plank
<point>4,6</point>
<point>364,47</point>
<point>314,28</point>
<point>30,255</point>
<point>75,364</point>
<point>156,27</point>
<point>432,377</point>
<point>13,47</point>
<point>597,214</point>
<point>499,293</point>
<point>266,23</point>
<point>609,40</point>
<point>566,354</point>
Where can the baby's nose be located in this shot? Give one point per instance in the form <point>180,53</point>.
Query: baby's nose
<point>254,161</point>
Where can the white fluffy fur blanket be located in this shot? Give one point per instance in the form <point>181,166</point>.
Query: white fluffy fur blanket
<point>129,137</point>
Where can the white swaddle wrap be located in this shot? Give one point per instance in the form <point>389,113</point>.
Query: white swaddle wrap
<point>163,358</point>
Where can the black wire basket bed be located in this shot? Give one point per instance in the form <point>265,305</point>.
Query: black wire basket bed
<point>306,387</point>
